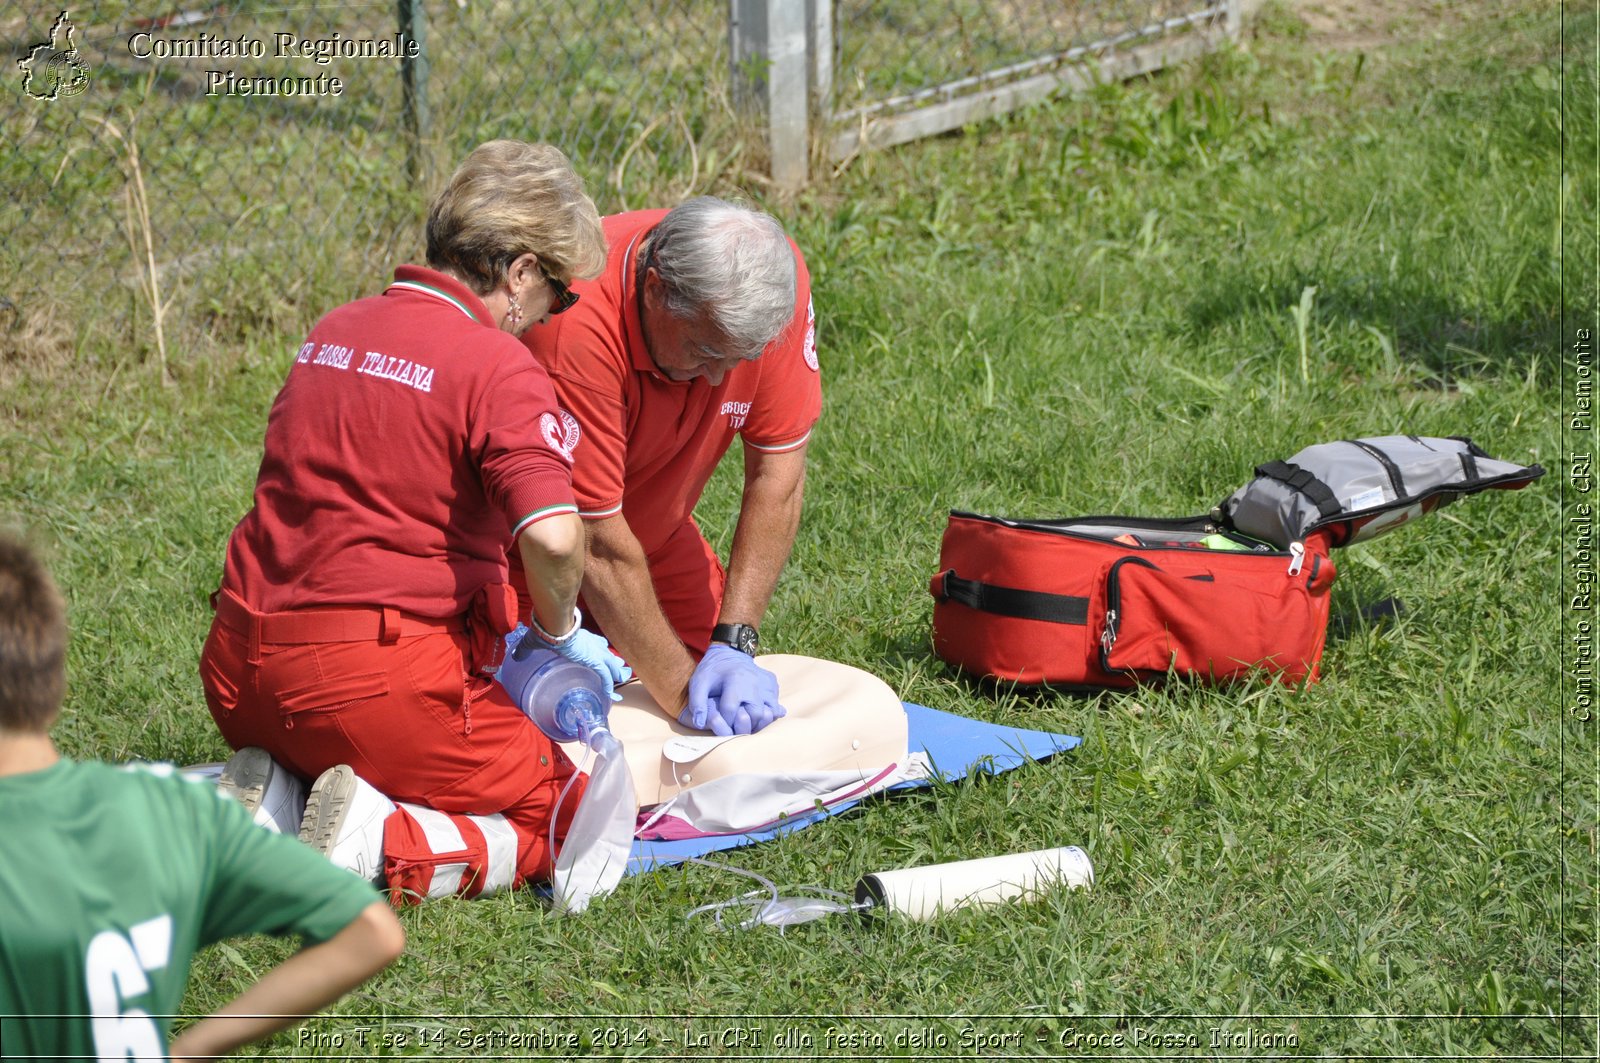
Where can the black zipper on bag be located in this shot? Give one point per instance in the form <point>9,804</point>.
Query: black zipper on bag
<point>1154,524</point>
<point>1057,527</point>
<point>1108,637</point>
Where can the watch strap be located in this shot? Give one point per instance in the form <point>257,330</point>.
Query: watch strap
<point>742,637</point>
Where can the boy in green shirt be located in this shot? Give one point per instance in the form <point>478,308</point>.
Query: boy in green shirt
<point>111,879</point>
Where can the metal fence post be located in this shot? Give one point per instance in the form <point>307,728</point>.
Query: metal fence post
<point>414,85</point>
<point>819,47</point>
<point>767,47</point>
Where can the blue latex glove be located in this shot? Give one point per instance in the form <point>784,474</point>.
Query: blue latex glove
<point>730,694</point>
<point>593,651</point>
<point>585,648</point>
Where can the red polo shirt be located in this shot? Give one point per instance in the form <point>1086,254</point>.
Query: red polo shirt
<point>410,443</point>
<point>643,445</point>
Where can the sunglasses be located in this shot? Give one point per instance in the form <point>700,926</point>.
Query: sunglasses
<point>565,297</point>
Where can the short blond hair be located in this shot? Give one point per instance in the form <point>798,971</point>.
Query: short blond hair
<point>509,198</point>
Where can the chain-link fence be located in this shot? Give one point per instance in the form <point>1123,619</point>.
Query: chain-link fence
<point>220,163</point>
<point>209,169</point>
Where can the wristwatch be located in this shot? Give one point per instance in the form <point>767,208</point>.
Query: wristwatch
<point>741,637</point>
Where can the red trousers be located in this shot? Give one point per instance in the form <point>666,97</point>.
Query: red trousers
<point>688,579</point>
<point>475,780</point>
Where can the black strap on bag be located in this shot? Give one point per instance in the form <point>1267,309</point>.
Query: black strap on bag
<point>1298,479</point>
<point>1469,459</point>
<point>1390,469</point>
<point>1013,601</point>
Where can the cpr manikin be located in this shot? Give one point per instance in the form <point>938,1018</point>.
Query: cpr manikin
<point>840,720</point>
<point>845,731</point>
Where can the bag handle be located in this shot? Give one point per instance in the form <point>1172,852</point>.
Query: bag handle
<point>1009,601</point>
<point>1301,480</point>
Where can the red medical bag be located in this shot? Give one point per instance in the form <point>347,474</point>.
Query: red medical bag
<point>1112,601</point>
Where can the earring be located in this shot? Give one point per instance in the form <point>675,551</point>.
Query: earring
<point>514,313</point>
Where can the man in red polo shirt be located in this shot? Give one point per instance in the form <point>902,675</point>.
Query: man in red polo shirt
<point>700,328</point>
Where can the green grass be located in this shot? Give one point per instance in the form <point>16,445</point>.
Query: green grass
<point>1088,307</point>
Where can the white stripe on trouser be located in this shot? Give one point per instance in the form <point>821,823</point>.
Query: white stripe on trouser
<point>443,837</point>
<point>500,839</point>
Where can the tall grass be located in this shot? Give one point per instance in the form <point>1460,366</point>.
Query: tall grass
<point>1084,308</point>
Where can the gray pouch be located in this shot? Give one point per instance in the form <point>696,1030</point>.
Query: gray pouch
<point>1355,489</point>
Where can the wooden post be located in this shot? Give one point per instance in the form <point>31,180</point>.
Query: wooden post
<point>767,47</point>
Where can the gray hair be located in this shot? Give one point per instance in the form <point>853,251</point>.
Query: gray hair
<point>730,261</point>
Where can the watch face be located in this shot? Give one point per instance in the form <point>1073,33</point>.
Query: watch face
<point>741,637</point>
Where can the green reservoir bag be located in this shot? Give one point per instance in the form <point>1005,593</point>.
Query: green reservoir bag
<point>1356,489</point>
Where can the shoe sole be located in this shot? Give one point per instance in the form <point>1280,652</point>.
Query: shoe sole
<point>327,805</point>
<point>244,778</point>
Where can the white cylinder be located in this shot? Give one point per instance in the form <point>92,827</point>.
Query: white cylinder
<point>923,892</point>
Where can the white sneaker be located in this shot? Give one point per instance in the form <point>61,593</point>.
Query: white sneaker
<point>269,792</point>
<point>344,821</point>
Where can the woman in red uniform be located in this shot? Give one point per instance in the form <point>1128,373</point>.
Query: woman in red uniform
<point>363,598</point>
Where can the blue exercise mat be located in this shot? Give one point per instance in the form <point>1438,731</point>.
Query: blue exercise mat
<point>955,745</point>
